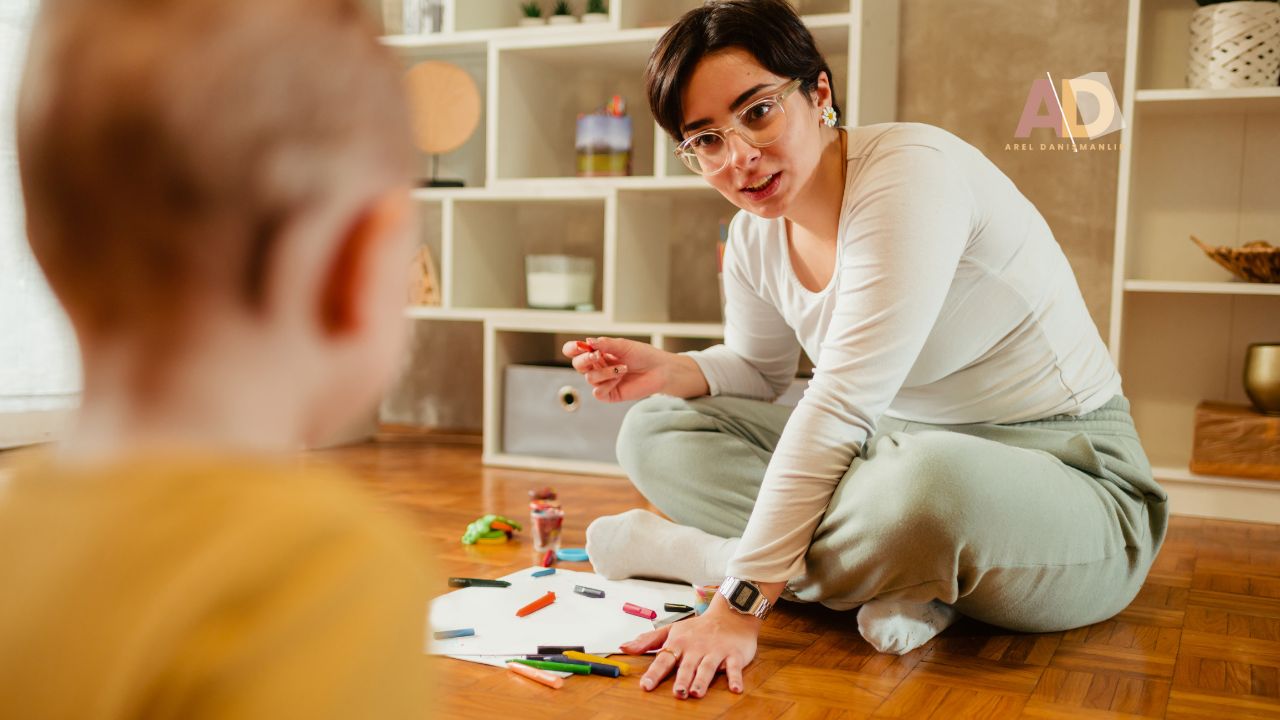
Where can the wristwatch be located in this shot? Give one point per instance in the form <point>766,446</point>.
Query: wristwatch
<point>745,597</point>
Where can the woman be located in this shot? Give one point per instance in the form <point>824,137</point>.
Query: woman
<point>964,444</point>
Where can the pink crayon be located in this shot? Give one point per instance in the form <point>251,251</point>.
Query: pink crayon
<point>638,611</point>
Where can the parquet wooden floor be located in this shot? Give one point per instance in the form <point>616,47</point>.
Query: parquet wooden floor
<point>1202,639</point>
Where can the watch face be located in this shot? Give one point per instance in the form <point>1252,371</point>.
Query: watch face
<point>744,596</point>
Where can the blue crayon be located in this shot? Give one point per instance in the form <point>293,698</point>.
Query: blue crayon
<point>450,634</point>
<point>544,572</point>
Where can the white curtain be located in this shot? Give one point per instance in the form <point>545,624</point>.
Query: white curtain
<point>39,364</point>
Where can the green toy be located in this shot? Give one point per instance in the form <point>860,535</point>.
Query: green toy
<point>483,528</point>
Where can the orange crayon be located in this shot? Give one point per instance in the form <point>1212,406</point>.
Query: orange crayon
<point>537,675</point>
<point>536,605</point>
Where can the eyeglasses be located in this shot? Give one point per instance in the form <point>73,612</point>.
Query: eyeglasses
<point>761,123</point>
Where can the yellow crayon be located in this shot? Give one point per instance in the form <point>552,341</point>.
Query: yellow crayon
<point>623,667</point>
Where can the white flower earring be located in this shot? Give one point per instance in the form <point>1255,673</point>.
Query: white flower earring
<point>829,117</point>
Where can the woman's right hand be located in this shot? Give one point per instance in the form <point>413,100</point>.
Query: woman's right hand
<point>619,369</point>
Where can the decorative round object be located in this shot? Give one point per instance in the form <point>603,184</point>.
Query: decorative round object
<point>444,103</point>
<point>1262,377</point>
<point>1235,45</point>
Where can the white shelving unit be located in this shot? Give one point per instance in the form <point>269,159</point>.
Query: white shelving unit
<point>1192,162</point>
<point>653,234</point>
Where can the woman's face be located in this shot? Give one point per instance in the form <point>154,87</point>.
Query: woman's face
<point>763,181</point>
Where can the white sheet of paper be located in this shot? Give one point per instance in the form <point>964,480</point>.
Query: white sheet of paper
<point>598,624</point>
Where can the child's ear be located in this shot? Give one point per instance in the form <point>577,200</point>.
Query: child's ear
<point>351,267</point>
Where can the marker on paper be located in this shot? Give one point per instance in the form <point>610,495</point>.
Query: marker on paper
<point>462,582</point>
<point>633,609</point>
<point>671,619</point>
<point>558,649</point>
<point>589,592</point>
<point>544,572</point>
<point>676,608</point>
<point>623,668</point>
<point>536,675</point>
<point>537,605</point>
<point>575,668</point>
<point>450,634</point>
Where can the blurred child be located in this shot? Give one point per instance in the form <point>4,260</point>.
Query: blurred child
<point>218,194</point>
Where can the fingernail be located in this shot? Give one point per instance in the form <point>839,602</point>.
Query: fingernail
<point>647,684</point>
<point>680,692</point>
<point>736,689</point>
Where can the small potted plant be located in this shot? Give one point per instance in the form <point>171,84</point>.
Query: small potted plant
<point>532,15</point>
<point>597,12</point>
<point>562,14</point>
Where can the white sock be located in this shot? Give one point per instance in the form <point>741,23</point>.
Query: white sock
<point>897,627</point>
<point>638,543</point>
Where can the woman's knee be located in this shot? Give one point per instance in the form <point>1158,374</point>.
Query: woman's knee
<point>646,449</point>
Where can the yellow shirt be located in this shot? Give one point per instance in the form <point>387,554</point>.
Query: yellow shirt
<point>205,589</point>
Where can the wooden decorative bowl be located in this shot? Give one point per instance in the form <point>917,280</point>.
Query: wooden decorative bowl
<point>1257,261</point>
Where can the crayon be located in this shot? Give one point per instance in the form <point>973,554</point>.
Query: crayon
<point>601,669</point>
<point>623,668</point>
<point>536,605</point>
<point>586,347</point>
<point>676,607</point>
<point>575,668</point>
<point>588,591</point>
<point>633,609</point>
<point>559,649</point>
<point>478,583</point>
<point>450,634</point>
<point>549,559</point>
<point>536,675</point>
<point>545,572</point>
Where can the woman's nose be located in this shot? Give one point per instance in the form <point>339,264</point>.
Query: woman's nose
<point>741,152</point>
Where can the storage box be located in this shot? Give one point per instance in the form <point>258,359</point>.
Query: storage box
<point>549,411</point>
<point>1237,441</point>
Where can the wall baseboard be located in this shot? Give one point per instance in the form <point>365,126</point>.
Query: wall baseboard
<point>33,427</point>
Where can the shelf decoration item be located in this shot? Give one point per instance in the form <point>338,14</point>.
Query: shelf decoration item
<point>1236,441</point>
<point>424,283</point>
<point>597,12</point>
<point>421,17</point>
<point>1234,44</point>
<point>562,14</point>
<point>1257,261</point>
<point>531,15</point>
<point>603,141</point>
<point>444,105</point>
<point>1262,378</point>
<point>559,282</point>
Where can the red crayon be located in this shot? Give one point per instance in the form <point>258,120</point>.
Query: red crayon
<point>585,346</point>
<point>538,604</point>
<point>549,559</point>
<point>638,611</point>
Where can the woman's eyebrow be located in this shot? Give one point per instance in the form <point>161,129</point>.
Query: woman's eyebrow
<point>733,107</point>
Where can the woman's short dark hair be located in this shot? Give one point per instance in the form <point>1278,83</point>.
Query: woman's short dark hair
<point>768,29</point>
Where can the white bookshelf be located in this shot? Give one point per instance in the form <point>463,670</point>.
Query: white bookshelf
<point>653,234</point>
<point>1192,162</point>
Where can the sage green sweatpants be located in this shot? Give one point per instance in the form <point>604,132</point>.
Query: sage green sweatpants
<point>1038,526</point>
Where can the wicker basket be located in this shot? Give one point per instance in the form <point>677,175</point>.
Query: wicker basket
<point>1235,44</point>
<point>1257,261</point>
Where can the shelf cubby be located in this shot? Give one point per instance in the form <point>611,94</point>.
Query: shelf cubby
<point>432,233</point>
<point>541,91</point>
<point>666,268</point>
<point>471,16</point>
<point>491,238</point>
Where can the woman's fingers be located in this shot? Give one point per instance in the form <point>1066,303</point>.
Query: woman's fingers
<point>606,375</point>
<point>733,673</point>
<point>684,676</point>
<point>647,641</point>
<point>658,670</point>
<point>702,678</point>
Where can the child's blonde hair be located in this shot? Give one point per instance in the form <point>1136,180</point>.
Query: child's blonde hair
<point>164,145</point>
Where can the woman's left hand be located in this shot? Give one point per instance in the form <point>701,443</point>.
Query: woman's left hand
<point>719,639</point>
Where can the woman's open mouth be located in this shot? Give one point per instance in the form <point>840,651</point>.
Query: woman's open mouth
<point>763,187</point>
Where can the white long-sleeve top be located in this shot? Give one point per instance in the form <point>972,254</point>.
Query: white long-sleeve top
<point>951,302</point>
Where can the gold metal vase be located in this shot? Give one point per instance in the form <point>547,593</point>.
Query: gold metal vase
<point>1262,377</point>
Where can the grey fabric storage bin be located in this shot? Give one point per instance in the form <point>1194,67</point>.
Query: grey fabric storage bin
<point>550,412</point>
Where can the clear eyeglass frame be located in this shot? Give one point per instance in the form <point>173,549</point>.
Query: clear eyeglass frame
<point>778,96</point>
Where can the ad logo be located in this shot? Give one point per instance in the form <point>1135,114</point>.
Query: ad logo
<point>1085,110</point>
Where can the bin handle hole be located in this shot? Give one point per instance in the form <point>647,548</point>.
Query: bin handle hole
<point>569,400</point>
